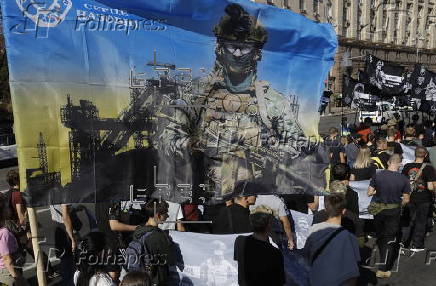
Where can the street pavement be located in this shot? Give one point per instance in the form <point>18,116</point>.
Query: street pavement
<point>417,269</point>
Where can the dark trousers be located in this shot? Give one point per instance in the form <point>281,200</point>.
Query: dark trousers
<point>418,223</point>
<point>387,227</point>
<point>65,254</point>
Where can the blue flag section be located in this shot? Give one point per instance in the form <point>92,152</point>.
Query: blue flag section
<point>183,100</point>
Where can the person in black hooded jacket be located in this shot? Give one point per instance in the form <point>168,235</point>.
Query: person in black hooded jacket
<point>157,242</point>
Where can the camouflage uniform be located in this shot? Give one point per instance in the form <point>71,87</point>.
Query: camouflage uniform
<point>232,127</point>
<point>244,132</point>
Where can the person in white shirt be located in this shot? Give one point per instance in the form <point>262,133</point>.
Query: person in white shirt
<point>65,241</point>
<point>174,214</point>
<point>279,211</point>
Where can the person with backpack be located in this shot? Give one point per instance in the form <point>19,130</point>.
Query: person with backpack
<point>150,249</point>
<point>422,181</point>
<point>18,223</point>
<point>380,156</point>
<point>118,220</point>
<point>331,251</point>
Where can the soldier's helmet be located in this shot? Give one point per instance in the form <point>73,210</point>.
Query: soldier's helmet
<point>239,26</point>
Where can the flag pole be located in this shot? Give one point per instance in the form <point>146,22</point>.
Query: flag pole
<point>40,271</point>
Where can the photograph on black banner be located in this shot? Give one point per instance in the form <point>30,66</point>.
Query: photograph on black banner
<point>356,94</point>
<point>386,76</point>
<point>422,83</point>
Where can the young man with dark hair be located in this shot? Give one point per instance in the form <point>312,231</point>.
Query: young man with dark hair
<point>423,178</point>
<point>250,250</point>
<point>235,217</point>
<point>331,250</point>
<point>380,156</point>
<point>157,242</point>
<point>389,189</point>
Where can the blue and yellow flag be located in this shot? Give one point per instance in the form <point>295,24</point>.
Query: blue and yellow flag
<point>186,100</point>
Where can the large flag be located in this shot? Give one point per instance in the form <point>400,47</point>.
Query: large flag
<point>178,99</point>
<point>386,77</point>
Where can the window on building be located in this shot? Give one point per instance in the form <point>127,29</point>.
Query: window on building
<point>286,4</point>
<point>302,5</point>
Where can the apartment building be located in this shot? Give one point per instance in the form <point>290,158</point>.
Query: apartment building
<point>402,31</point>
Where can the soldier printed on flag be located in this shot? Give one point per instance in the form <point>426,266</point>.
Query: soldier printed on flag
<point>244,127</point>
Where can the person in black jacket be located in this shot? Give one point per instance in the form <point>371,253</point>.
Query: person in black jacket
<point>259,263</point>
<point>235,218</point>
<point>381,156</point>
<point>158,243</point>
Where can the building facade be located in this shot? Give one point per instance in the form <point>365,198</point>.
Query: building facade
<point>402,31</point>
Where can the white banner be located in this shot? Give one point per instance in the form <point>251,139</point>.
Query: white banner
<point>302,223</point>
<point>8,152</point>
<point>205,259</point>
<point>408,154</point>
<point>361,187</point>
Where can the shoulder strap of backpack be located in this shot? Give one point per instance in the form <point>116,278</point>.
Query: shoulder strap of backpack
<point>420,170</point>
<point>415,176</point>
<point>320,250</point>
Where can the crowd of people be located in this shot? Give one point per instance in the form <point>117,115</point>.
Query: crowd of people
<point>125,243</point>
